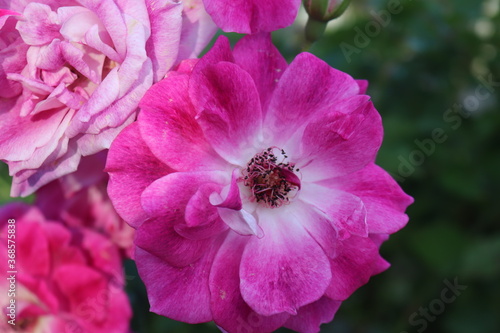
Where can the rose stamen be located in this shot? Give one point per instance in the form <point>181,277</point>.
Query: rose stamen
<point>271,181</point>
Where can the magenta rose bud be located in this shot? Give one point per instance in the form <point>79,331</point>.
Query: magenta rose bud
<point>251,16</point>
<point>73,73</point>
<point>253,189</point>
<point>65,281</point>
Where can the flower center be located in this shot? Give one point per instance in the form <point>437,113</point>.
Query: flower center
<point>272,182</point>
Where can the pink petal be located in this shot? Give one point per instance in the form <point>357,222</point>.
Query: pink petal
<point>13,60</point>
<point>27,181</point>
<point>197,29</point>
<point>228,307</point>
<point>166,109</point>
<point>50,56</point>
<point>383,198</point>
<point>229,110</point>
<point>318,225</point>
<point>39,25</point>
<point>250,16</point>
<point>56,147</point>
<point>168,196</point>
<point>89,64</point>
<point>178,293</point>
<point>346,211</point>
<point>158,237</point>
<point>220,51</point>
<point>311,316</point>
<point>111,16</point>
<point>201,217</point>
<point>340,143</point>
<point>80,284</point>
<point>295,102</point>
<point>241,221</point>
<point>35,259</point>
<point>257,55</point>
<point>163,44</point>
<point>363,86</point>
<point>232,198</point>
<point>284,270</point>
<point>357,261</point>
<point>165,200</point>
<point>132,167</point>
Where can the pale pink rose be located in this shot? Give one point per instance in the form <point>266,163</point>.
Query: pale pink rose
<point>72,74</point>
<point>67,281</point>
<point>80,199</point>
<point>253,189</point>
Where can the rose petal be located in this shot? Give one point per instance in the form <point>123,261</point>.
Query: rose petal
<point>284,270</point>
<point>250,16</point>
<point>129,177</point>
<point>228,307</point>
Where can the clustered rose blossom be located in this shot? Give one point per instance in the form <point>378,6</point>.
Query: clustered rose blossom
<point>72,74</point>
<point>80,199</point>
<point>249,184</point>
<point>67,281</point>
<point>253,189</point>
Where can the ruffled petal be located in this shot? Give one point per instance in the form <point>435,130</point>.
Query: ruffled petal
<point>201,217</point>
<point>178,293</point>
<point>250,16</point>
<point>131,175</point>
<point>357,261</point>
<point>166,109</point>
<point>308,88</point>
<point>228,307</point>
<point>163,44</point>
<point>284,270</point>
<point>311,316</point>
<point>340,143</point>
<point>229,110</point>
<point>345,211</point>
<point>383,198</point>
<point>257,55</point>
<point>198,28</point>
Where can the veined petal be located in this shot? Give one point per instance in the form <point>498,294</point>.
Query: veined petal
<point>129,177</point>
<point>257,55</point>
<point>383,198</point>
<point>166,109</point>
<point>340,143</point>
<point>228,307</point>
<point>284,270</point>
<point>250,16</point>
<point>357,261</point>
<point>188,288</point>
<point>228,107</point>
<point>295,102</point>
<point>311,316</point>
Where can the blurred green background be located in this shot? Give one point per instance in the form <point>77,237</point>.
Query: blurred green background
<point>429,62</point>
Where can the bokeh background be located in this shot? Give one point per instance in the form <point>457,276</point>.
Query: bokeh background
<point>427,69</point>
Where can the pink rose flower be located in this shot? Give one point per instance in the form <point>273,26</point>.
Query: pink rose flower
<point>251,16</point>
<point>253,189</point>
<point>66,281</point>
<point>80,199</point>
<point>73,72</point>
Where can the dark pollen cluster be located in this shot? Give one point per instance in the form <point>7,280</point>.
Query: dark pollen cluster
<point>271,181</point>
